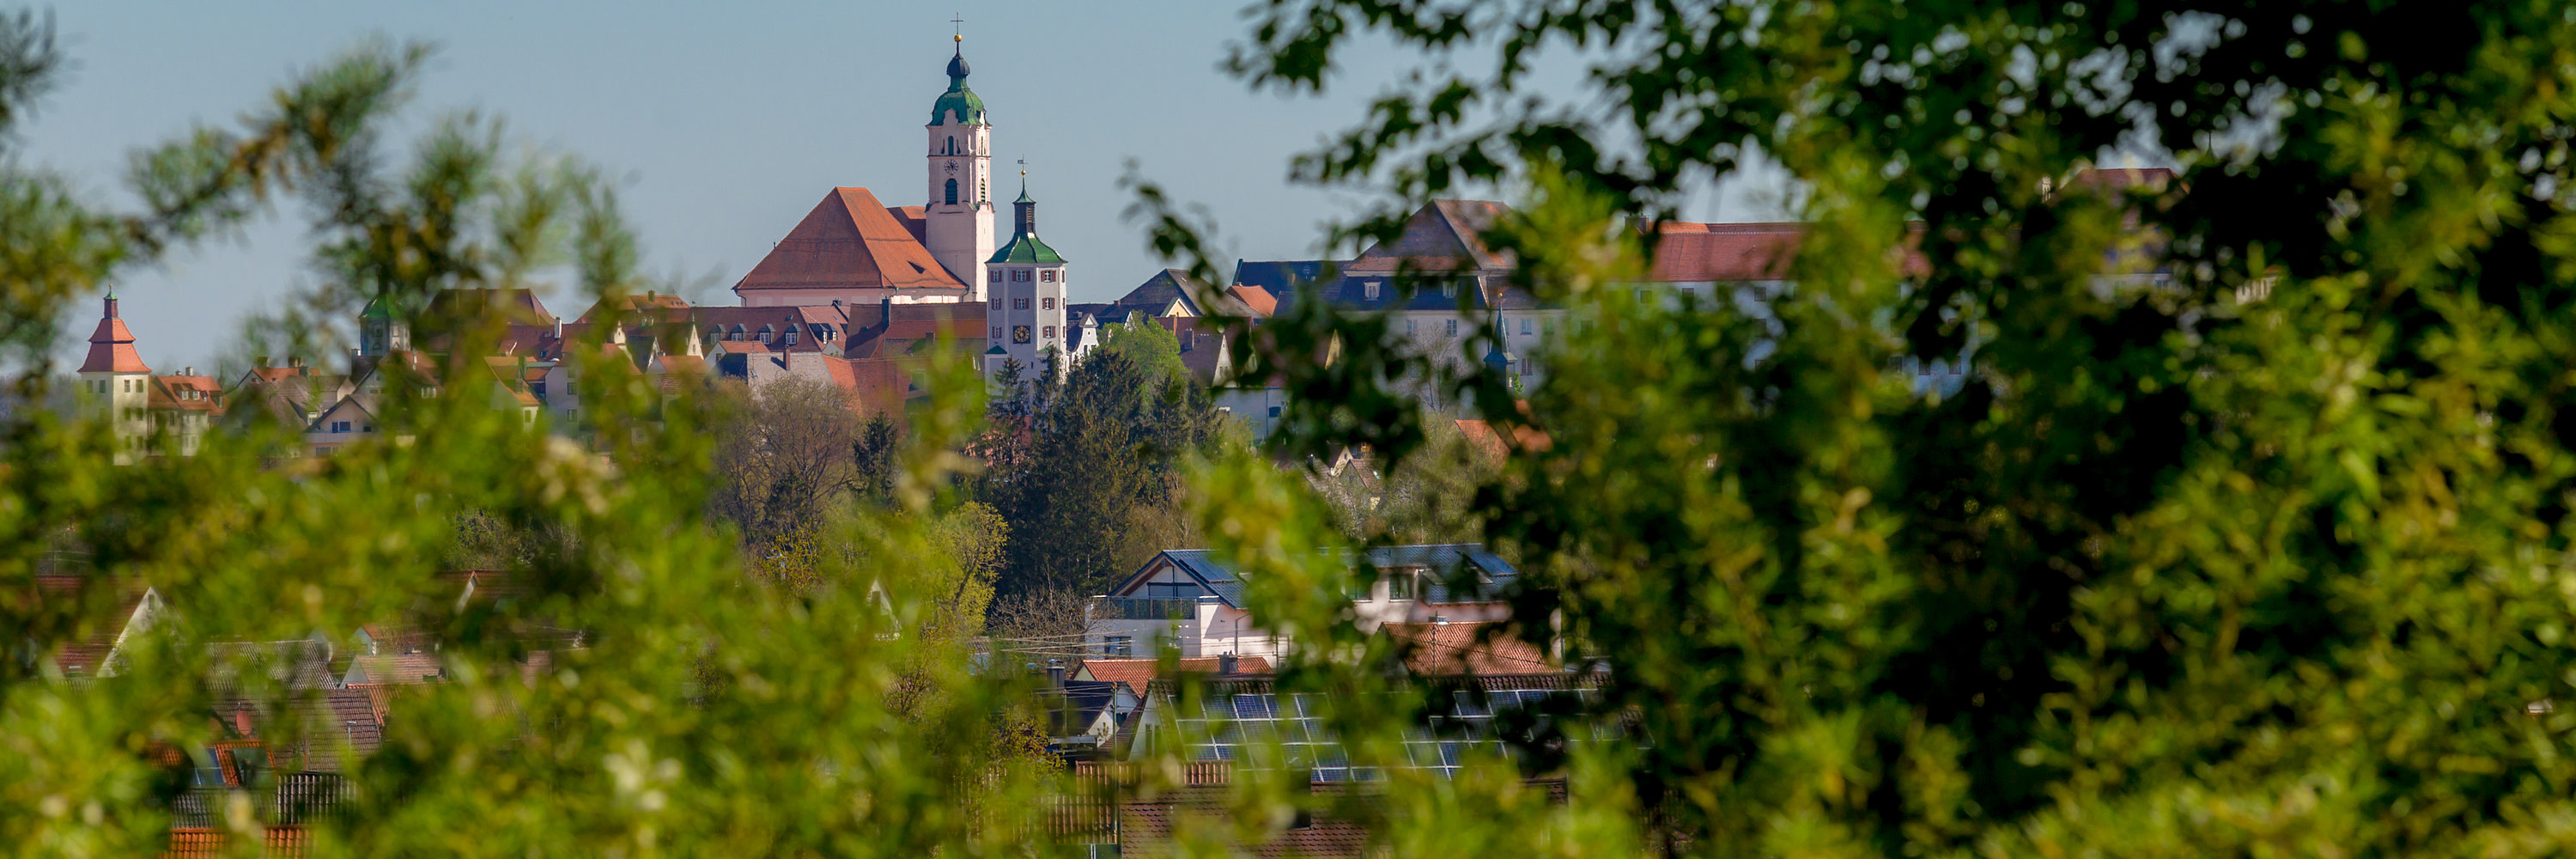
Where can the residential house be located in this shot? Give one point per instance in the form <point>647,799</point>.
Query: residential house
<point>1192,600</point>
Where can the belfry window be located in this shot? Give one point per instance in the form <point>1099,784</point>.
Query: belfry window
<point>952,192</point>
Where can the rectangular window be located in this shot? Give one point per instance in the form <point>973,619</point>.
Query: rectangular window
<point>1021,275</point>
<point>1525,323</point>
<point>1049,332</point>
<point>997,332</point>
<point>1399,583</point>
<point>1118,646</point>
<point>1171,590</point>
<point>1047,276</point>
<point>1641,296</point>
<point>339,426</point>
<point>1019,304</point>
<point>996,276</point>
<point>997,300</point>
<point>1408,326</point>
<point>1046,304</point>
<point>1274,411</point>
<point>1452,329</point>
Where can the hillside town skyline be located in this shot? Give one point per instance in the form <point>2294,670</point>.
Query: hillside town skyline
<point>711,197</point>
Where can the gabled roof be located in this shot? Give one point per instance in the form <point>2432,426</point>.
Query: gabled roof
<point>849,241</point>
<point>1447,235</point>
<point>1220,578</point>
<point>517,306</point>
<point>1158,294</point>
<point>649,305</point>
<point>1255,299</point>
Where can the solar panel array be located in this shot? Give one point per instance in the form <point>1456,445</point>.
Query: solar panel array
<point>1234,727</point>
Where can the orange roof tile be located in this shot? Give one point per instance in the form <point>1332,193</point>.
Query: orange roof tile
<point>848,241</point>
<point>1468,648</point>
<point>111,347</point>
<point>1137,672</point>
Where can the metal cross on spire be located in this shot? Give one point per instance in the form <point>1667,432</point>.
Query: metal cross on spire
<point>960,21</point>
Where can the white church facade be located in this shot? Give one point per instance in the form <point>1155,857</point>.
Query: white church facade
<point>853,250</point>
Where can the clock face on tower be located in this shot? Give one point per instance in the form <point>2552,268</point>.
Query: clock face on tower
<point>952,167</point>
<point>1019,334</point>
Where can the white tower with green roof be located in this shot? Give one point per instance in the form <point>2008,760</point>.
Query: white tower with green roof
<point>1025,309</point>
<point>959,216</point>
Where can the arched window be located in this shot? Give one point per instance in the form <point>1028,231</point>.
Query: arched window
<point>952,192</point>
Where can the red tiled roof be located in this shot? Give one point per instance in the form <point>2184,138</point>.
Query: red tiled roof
<point>1137,672</point>
<point>875,385</point>
<point>111,347</point>
<point>848,241</point>
<point>913,220</point>
<point>187,393</point>
<point>1258,299</point>
<point>1482,436</point>
<point>1468,648</point>
<point>1690,252</point>
<point>422,667</point>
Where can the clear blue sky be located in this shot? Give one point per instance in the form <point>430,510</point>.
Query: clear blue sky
<point>731,120</point>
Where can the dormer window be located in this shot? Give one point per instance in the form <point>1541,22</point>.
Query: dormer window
<point>1369,290</point>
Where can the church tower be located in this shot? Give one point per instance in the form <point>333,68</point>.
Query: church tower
<point>960,211</point>
<point>115,385</point>
<point>1026,310</point>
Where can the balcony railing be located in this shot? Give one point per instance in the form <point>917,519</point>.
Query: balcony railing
<point>1143,608</point>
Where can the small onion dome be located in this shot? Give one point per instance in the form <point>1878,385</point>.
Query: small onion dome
<point>963,102</point>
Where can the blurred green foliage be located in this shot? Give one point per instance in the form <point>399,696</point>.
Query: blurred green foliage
<point>2258,548</point>
<point>628,687</point>
<point>2262,551</point>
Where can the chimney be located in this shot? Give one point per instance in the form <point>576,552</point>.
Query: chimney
<point>1055,673</point>
<point>1226,664</point>
<point>190,370</point>
<point>261,362</point>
